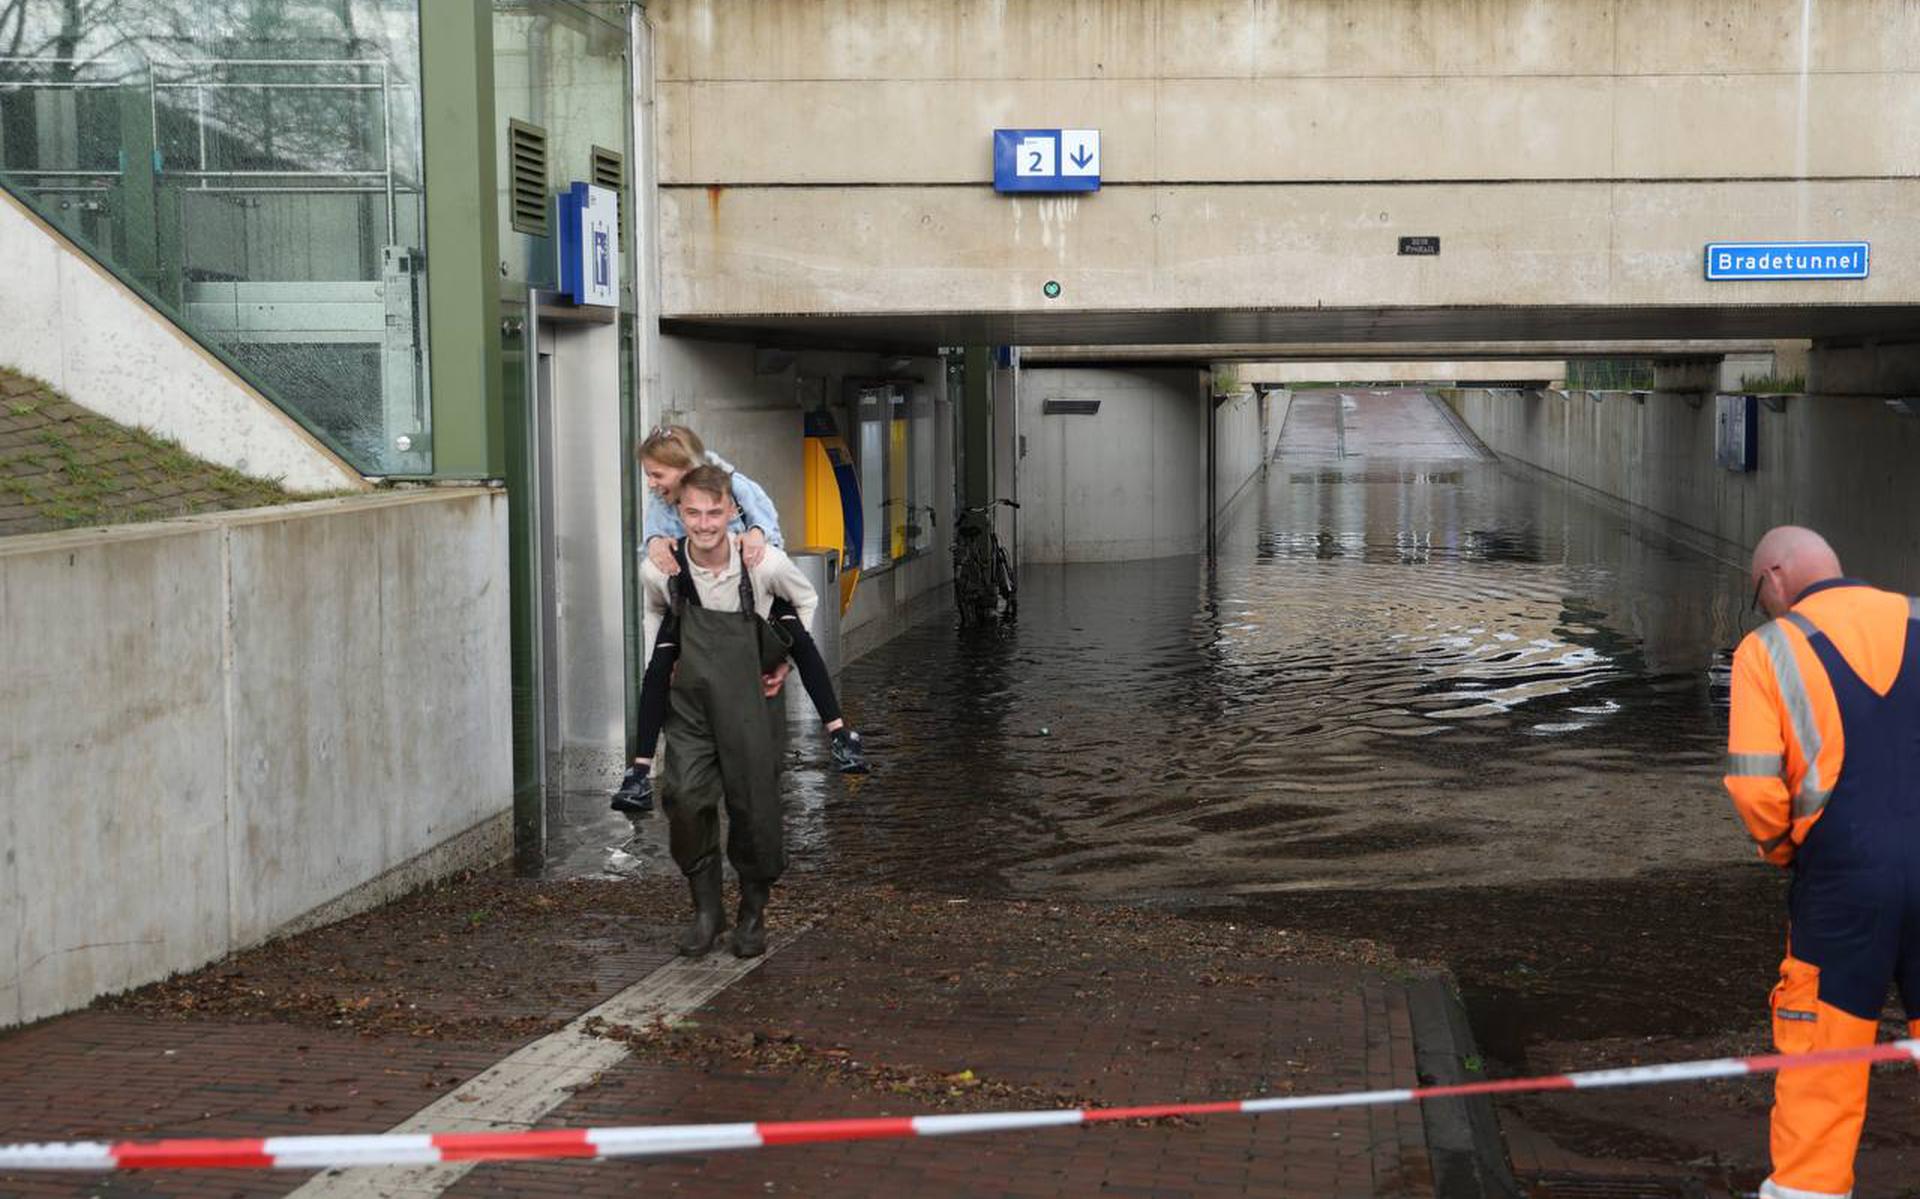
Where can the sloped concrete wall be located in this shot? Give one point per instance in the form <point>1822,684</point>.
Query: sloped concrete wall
<point>66,319</point>
<point>221,728</point>
<point>1244,432</point>
<point>1841,464</point>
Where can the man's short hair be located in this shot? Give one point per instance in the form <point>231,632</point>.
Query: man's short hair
<point>708,479</point>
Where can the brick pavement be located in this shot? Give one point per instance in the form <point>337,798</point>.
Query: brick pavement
<point>1101,1029</point>
<point>869,1012</point>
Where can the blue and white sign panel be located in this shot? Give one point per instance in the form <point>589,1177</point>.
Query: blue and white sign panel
<point>1729,260</point>
<point>1046,160</point>
<point>590,245</point>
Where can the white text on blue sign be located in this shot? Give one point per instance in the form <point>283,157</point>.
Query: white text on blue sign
<point>1787,260</point>
<point>1046,160</point>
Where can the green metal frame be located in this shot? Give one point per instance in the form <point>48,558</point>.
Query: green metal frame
<point>479,422</point>
<point>976,424</point>
<point>470,427</point>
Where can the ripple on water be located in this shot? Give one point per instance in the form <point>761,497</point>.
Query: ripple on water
<point>1400,672</point>
<point>1397,672</point>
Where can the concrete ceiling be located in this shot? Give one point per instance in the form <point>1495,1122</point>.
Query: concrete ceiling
<point>1265,333</point>
<point>1308,352</point>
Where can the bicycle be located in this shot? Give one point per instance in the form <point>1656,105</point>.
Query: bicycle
<point>982,573</point>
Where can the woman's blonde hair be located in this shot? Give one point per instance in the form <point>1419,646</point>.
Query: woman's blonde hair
<point>674,445</point>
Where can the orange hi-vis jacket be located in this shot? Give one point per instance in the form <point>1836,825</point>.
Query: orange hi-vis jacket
<point>1786,745</point>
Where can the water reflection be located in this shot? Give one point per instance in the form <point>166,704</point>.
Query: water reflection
<point>1410,666</point>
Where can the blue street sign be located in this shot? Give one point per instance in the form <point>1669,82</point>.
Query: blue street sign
<point>1729,260</point>
<point>1046,160</point>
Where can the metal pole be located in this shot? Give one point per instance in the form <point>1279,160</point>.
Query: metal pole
<point>200,96</point>
<point>528,585</point>
<point>1210,410</point>
<point>633,407</point>
<point>1014,454</point>
<point>386,139</point>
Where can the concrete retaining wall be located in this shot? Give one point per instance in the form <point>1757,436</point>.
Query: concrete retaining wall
<point>1244,433</point>
<point>1839,464</point>
<point>222,728</point>
<point>66,319</point>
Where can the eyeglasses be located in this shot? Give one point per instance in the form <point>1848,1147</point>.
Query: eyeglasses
<point>1754,607</point>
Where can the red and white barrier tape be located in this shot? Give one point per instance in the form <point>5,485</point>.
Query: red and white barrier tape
<point>396,1149</point>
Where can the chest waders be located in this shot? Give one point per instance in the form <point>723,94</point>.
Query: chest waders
<point>724,743</point>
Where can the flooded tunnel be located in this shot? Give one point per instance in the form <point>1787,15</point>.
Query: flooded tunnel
<point>1419,696</point>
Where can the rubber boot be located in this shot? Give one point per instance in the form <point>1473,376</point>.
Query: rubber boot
<point>708,920</point>
<point>750,933</point>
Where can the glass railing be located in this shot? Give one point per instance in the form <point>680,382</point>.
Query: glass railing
<point>254,169</point>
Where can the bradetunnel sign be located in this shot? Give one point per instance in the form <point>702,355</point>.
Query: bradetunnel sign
<point>1734,260</point>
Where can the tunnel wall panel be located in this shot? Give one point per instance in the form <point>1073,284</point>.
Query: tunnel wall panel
<point>1841,464</point>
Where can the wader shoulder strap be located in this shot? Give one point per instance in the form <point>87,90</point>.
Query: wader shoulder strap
<point>687,593</point>
<point>746,589</point>
<point>681,585</point>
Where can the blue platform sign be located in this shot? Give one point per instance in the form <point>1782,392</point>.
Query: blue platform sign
<point>590,245</point>
<point>1046,160</point>
<point>1730,260</point>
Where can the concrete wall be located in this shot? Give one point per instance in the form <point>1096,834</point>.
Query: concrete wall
<point>748,407</point>
<point>1839,464</point>
<point>1127,482</point>
<point>66,319</point>
<point>1244,433</point>
<point>1270,152</point>
<point>218,729</point>
<point>1130,481</point>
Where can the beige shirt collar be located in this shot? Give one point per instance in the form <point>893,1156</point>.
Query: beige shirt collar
<point>725,573</point>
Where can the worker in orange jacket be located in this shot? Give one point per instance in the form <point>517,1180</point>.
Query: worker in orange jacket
<point>1823,761</point>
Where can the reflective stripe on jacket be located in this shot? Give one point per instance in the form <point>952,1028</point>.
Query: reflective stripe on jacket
<point>1785,744</point>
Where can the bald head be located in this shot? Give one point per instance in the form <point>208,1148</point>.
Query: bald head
<point>1787,561</point>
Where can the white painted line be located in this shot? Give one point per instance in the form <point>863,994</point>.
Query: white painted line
<point>518,1091</point>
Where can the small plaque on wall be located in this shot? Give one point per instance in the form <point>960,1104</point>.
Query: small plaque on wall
<point>1422,247</point>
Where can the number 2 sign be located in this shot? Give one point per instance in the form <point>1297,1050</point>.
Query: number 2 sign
<point>1046,160</point>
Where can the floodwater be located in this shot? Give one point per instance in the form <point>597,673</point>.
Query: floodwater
<point>1422,696</point>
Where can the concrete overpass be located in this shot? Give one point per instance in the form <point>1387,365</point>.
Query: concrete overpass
<point>1395,351</point>
<point>824,169</point>
<point>1509,371</point>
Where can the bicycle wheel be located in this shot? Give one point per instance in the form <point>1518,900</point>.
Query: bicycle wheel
<point>1003,579</point>
<point>969,582</point>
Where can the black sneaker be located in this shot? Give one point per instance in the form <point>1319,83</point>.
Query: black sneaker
<point>635,796</point>
<point>848,756</point>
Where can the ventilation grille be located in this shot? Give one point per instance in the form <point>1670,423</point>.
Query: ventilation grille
<point>610,171</point>
<point>527,177</point>
<point>1070,407</point>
